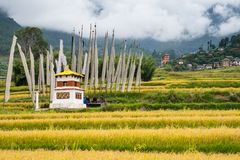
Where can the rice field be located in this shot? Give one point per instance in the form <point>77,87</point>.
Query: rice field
<point>157,133</point>
<point>109,155</point>
<point>124,120</point>
<point>219,140</point>
<point>178,115</point>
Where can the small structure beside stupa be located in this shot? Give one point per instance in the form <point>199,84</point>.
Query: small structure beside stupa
<point>67,92</point>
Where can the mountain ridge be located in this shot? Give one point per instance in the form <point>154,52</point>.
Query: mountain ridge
<point>8,26</point>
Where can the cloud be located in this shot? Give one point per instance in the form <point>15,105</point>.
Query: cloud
<point>232,25</point>
<point>161,20</point>
<point>223,10</point>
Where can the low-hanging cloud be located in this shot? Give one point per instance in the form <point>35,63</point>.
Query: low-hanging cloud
<point>161,20</point>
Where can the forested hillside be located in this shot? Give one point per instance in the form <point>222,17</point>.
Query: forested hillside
<point>7,28</point>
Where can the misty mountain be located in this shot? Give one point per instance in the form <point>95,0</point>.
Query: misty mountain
<point>8,26</point>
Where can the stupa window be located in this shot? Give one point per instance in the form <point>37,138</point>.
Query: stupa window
<point>63,95</point>
<point>78,96</point>
<point>64,83</point>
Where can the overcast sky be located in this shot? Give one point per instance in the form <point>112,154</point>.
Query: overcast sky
<point>163,20</point>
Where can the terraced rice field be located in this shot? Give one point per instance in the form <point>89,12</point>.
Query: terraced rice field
<point>202,134</point>
<point>183,116</point>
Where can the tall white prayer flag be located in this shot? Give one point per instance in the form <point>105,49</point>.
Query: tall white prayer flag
<point>26,70</point>
<point>42,77</point>
<point>92,75</point>
<point>118,72</point>
<point>85,63</point>
<point>126,72</point>
<point>64,60</point>
<point>131,76</point>
<point>73,63</point>
<point>105,59</point>
<point>52,84</point>
<point>138,78</point>
<point>88,59</point>
<point>10,69</point>
<point>123,62</point>
<point>48,67</point>
<point>110,75</point>
<point>32,71</point>
<point>96,61</point>
<point>80,52</point>
<point>59,62</point>
<point>51,58</point>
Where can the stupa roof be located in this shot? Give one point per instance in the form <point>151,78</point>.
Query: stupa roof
<point>68,72</point>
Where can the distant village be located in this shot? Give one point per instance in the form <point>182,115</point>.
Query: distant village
<point>225,54</point>
<point>228,61</point>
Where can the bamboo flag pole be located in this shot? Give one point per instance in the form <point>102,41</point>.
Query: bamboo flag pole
<point>126,72</point>
<point>32,71</point>
<point>138,78</point>
<point>106,75</point>
<point>10,69</point>
<point>140,75</point>
<point>105,58</point>
<point>51,62</point>
<point>84,64</point>
<point>80,52</point>
<point>113,61</point>
<point>123,62</point>
<point>39,76</point>
<point>130,72</point>
<point>26,70</point>
<point>118,67</point>
<point>118,73</point>
<point>110,65</point>
<point>73,63</point>
<point>95,61</point>
<point>52,82</point>
<point>48,67</point>
<point>59,62</point>
<point>92,62</point>
<point>64,61</point>
<point>131,76</point>
<point>51,58</point>
<point>42,73</point>
<point>88,59</point>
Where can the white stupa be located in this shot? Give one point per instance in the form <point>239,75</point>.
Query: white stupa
<point>67,93</point>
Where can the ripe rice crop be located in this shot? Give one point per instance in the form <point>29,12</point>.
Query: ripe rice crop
<point>173,106</point>
<point>119,123</point>
<point>159,113</point>
<point>224,140</point>
<point>110,155</point>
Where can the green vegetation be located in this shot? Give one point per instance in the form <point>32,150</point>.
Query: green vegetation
<point>7,28</point>
<point>32,37</point>
<point>227,48</point>
<point>148,68</point>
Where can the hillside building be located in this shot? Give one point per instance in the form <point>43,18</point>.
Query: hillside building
<point>165,59</point>
<point>226,62</point>
<point>236,62</point>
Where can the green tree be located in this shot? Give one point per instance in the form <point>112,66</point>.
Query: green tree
<point>28,37</point>
<point>32,37</point>
<point>18,73</point>
<point>148,68</point>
